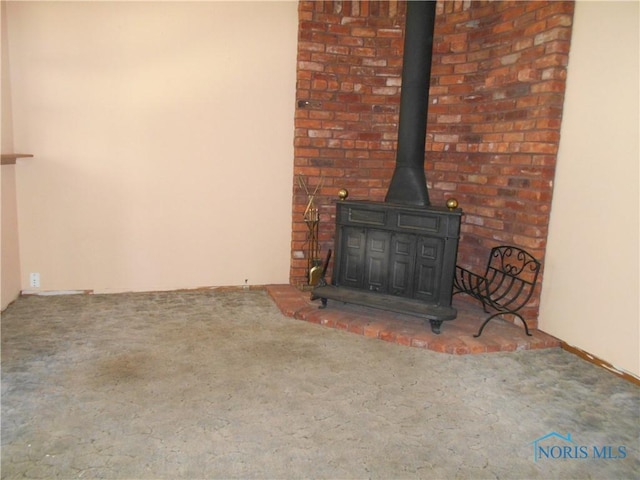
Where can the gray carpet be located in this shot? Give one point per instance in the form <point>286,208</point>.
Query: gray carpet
<point>211,384</point>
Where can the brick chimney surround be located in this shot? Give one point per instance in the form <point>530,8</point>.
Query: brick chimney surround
<point>495,106</point>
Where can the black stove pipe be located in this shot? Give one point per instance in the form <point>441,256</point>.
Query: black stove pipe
<point>409,184</point>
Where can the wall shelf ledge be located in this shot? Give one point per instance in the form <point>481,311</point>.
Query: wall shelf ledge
<point>10,158</point>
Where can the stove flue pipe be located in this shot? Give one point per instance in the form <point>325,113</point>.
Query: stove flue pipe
<point>409,184</point>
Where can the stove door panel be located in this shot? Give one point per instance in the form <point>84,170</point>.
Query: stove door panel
<point>402,259</point>
<point>429,268</point>
<point>351,268</point>
<point>377,260</point>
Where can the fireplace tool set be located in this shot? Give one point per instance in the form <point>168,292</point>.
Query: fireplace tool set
<point>312,220</point>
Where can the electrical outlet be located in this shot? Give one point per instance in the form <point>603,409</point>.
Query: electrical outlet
<point>34,280</point>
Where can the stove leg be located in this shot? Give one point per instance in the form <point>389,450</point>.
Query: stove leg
<point>435,326</point>
<point>324,303</point>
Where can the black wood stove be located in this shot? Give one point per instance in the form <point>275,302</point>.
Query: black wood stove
<point>400,254</point>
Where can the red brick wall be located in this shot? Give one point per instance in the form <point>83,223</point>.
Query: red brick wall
<point>495,106</point>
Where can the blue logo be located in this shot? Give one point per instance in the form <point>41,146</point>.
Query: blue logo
<point>554,446</point>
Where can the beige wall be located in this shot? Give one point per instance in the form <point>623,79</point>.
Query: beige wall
<point>590,291</point>
<point>10,266</point>
<point>9,242</point>
<point>163,142</point>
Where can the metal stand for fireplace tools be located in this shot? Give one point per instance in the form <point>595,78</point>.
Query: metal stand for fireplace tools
<point>313,262</point>
<point>312,219</point>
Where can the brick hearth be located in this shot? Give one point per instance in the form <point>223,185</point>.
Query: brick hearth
<point>456,337</point>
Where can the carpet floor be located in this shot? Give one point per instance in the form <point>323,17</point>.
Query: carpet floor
<point>215,384</point>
